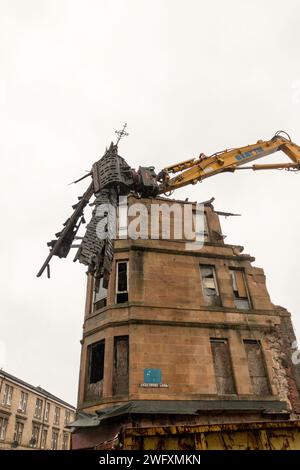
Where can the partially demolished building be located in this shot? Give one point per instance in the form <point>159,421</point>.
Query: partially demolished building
<point>172,335</point>
<point>181,337</point>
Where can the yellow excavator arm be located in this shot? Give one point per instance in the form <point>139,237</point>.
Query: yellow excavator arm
<point>196,169</point>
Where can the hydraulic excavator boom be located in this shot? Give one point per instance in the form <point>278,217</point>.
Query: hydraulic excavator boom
<point>194,170</point>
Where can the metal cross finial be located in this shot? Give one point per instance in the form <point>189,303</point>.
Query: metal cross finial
<point>122,133</point>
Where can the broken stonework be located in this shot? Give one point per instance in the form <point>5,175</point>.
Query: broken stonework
<point>279,365</point>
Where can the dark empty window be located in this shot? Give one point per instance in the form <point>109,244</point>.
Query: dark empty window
<point>209,285</point>
<point>96,362</point>
<point>121,364</point>
<point>241,299</point>
<point>257,369</point>
<point>100,294</point>
<point>223,368</point>
<point>122,282</point>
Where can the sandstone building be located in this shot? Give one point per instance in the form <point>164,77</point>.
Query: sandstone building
<point>182,337</point>
<point>31,417</point>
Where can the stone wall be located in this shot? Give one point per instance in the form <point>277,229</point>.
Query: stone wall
<point>170,325</point>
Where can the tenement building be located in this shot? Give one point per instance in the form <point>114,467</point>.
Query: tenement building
<point>180,336</point>
<point>31,417</point>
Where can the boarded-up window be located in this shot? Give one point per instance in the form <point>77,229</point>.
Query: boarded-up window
<point>122,282</point>
<point>257,369</point>
<point>223,368</point>
<point>121,364</point>
<point>241,298</point>
<point>95,370</point>
<point>209,285</point>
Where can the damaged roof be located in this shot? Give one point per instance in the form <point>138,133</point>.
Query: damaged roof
<point>177,407</point>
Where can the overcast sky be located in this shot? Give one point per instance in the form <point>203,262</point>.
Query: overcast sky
<point>188,77</point>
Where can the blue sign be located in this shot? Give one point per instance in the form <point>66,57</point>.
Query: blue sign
<point>152,376</point>
<point>249,154</point>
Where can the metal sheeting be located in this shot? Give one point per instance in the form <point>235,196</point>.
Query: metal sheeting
<point>283,435</point>
<point>176,407</point>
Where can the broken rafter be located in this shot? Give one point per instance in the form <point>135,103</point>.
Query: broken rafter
<point>65,236</point>
<point>82,178</point>
<point>227,214</point>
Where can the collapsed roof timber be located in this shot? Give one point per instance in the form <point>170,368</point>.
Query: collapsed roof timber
<point>111,177</point>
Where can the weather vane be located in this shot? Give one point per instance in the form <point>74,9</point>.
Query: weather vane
<point>122,133</point>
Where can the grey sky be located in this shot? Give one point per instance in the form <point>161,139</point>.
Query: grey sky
<point>188,77</point>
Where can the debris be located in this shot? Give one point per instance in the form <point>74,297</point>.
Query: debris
<point>227,214</point>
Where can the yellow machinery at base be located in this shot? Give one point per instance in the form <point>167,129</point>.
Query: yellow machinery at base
<point>279,435</point>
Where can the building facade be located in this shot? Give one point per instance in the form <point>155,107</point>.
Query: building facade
<point>182,336</point>
<point>31,417</point>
